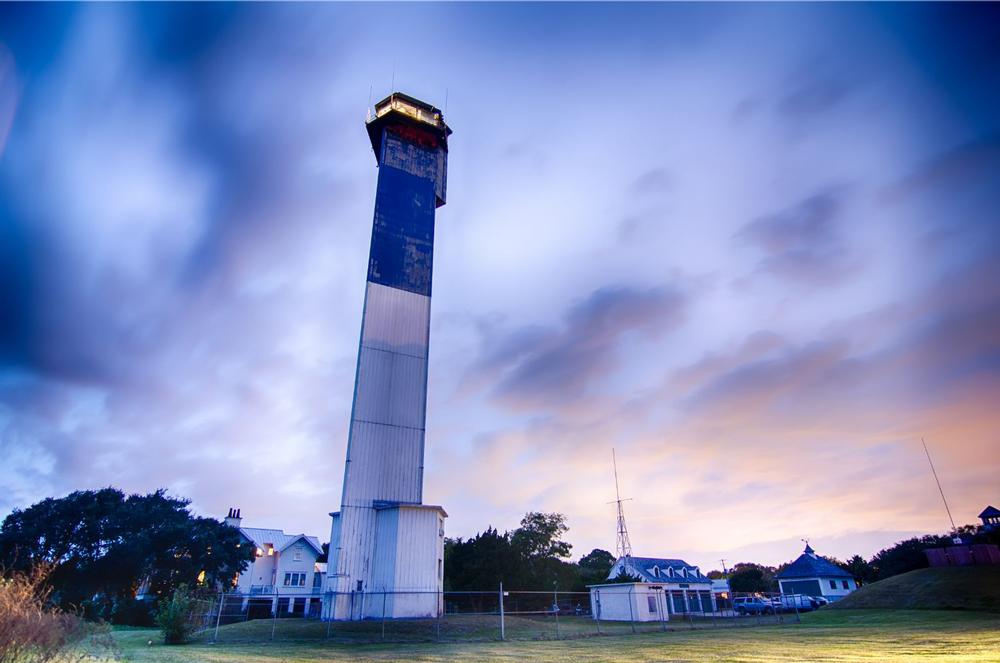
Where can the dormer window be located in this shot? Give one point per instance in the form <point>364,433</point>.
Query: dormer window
<point>683,572</point>
<point>656,572</point>
<point>670,572</point>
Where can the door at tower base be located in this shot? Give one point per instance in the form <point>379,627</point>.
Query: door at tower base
<point>406,568</point>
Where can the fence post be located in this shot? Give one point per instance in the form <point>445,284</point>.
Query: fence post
<point>631,600</point>
<point>555,606</point>
<point>440,610</point>
<point>218,618</point>
<point>383,612</point>
<point>274,612</point>
<point>502,634</point>
<point>597,613</point>
<point>329,615</point>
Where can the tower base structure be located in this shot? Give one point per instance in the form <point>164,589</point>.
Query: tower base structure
<point>405,570</point>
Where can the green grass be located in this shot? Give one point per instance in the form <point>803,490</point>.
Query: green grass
<point>826,635</point>
<point>958,587</point>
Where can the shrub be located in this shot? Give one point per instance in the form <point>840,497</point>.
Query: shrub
<point>133,612</point>
<point>32,631</point>
<point>180,616</point>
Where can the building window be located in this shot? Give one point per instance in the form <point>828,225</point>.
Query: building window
<point>656,572</point>
<point>297,554</point>
<point>295,580</point>
<point>651,602</point>
<point>833,584</point>
<point>844,582</point>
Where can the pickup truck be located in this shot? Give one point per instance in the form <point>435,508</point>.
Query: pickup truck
<point>792,602</point>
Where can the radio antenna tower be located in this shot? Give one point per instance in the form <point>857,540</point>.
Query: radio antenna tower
<point>623,547</point>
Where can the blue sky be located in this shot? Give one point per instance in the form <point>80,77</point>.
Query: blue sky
<point>752,247</point>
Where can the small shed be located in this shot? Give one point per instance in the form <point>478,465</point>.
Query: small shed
<point>629,601</point>
<point>812,575</point>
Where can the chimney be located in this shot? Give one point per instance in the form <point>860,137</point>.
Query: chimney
<point>233,518</point>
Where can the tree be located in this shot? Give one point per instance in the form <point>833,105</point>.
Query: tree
<point>860,569</point>
<point>595,566</point>
<point>750,577</point>
<point>530,557</point>
<point>106,544</point>
<point>539,536</point>
<point>907,555</point>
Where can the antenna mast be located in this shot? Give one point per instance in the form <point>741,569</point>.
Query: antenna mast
<point>938,481</point>
<point>624,546</point>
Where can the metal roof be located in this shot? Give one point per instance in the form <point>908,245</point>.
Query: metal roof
<point>644,565</point>
<point>989,511</point>
<point>811,565</point>
<point>261,537</point>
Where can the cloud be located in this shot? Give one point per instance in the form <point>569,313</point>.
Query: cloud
<point>536,366</point>
<point>656,180</point>
<point>803,242</point>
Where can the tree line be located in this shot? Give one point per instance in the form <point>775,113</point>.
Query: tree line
<point>101,546</point>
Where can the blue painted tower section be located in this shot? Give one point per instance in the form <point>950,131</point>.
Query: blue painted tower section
<point>384,539</point>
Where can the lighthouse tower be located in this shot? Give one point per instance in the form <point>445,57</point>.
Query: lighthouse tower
<point>386,546</point>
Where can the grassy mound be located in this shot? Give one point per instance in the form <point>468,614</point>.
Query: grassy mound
<point>961,588</point>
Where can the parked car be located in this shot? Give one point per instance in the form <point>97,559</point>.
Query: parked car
<point>792,603</point>
<point>753,605</point>
<point>819,601</point>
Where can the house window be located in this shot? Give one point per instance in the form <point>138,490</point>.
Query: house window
<point>651,601</point>
<point>295,580</point>
<point>833,584</point>
<point>297,554</point>
<point>656,572</point>
<point>844,582</point>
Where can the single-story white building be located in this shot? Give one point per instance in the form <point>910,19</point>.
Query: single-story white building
<point>663,587</point>
<point>811,575</point>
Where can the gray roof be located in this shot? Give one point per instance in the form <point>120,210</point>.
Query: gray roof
<point>811,565</point>
<point>643,566</point>
<point>260,537</point>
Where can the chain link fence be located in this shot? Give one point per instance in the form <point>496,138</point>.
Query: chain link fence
<point>489,615</point>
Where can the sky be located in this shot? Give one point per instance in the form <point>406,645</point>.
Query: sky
<point>754,249</point>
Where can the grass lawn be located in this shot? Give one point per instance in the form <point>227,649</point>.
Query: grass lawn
<point>826,635</point>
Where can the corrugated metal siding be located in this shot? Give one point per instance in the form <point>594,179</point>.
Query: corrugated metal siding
<point>396,320</point>
<point>391,389</point>
<point>385,464</point>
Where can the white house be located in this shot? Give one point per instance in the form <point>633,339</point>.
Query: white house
<point>663,587</point>
<point>812,575</point>
<point>284,574</point>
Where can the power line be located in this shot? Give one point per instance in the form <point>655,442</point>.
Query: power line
<point>938,481</point>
